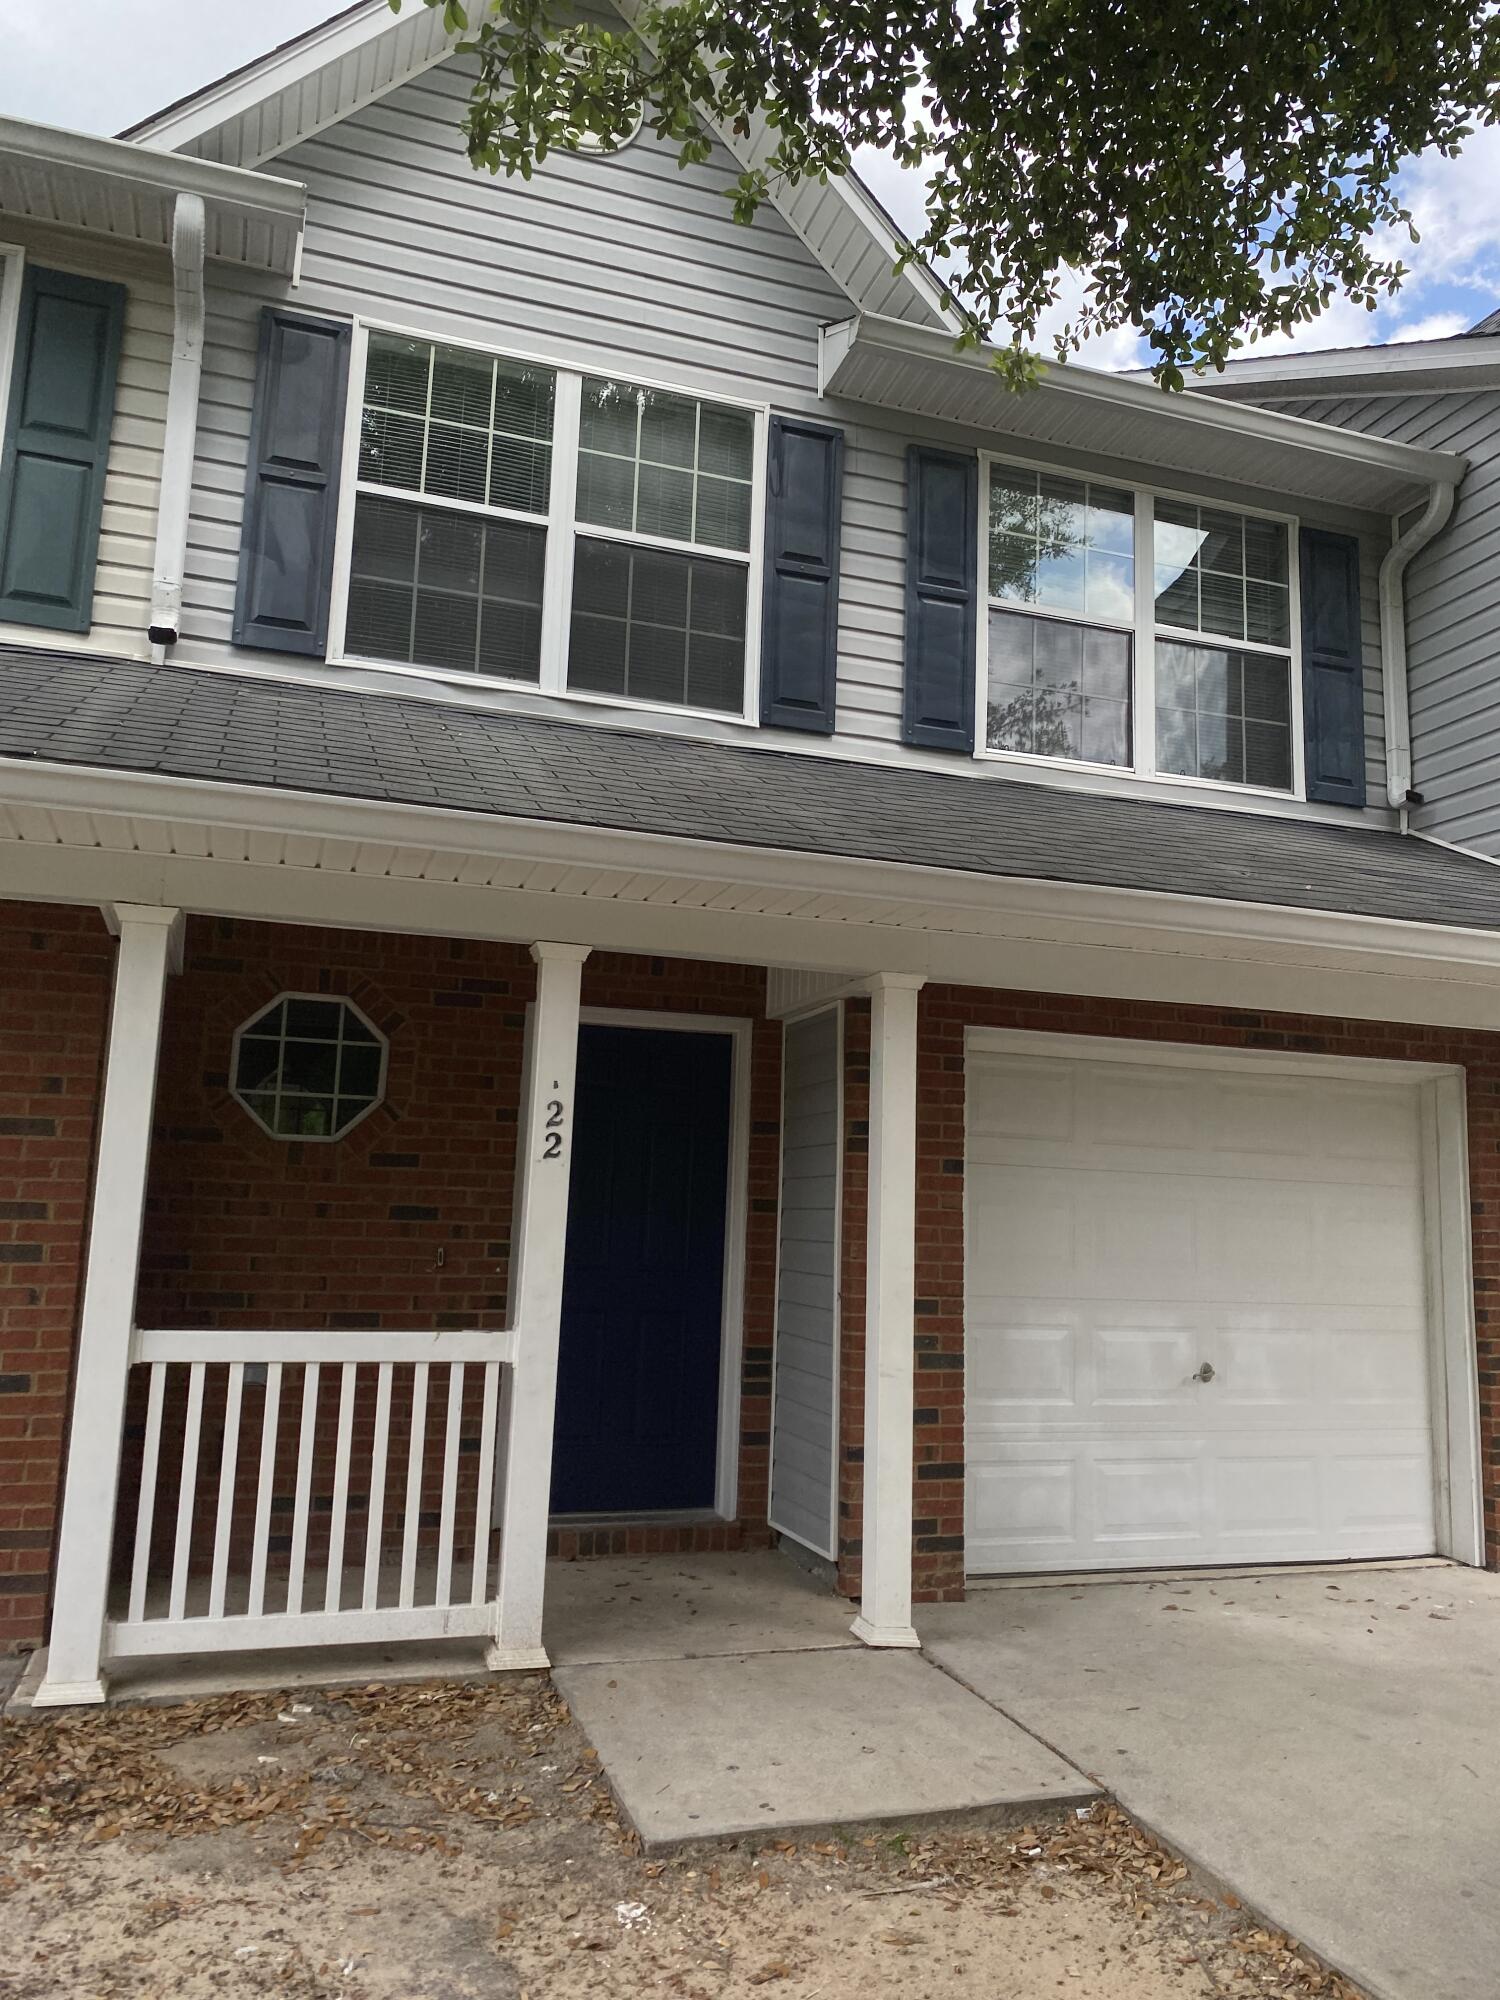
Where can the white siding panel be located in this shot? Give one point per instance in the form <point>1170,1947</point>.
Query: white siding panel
<point>804,1423</point>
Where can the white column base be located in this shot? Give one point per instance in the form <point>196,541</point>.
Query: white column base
<point>69,1694</point>
<point>885,1635</point>
<point>516,1659</point>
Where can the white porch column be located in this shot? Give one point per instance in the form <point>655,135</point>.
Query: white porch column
<point>536,1305</point>
<point>150,948</point>
<point>890,1282</point>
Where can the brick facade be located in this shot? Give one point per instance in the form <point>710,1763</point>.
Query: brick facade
<point>945,1012</point>
<point>404,1222</point>
<point>55,968</point>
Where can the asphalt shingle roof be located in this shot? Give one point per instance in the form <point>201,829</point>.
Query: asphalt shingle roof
<point>216,727</point>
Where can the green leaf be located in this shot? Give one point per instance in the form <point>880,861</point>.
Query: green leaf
<point>1213,170</point>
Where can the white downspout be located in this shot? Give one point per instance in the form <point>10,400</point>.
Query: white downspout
<point>1393,642</point>
<point>180,440</point>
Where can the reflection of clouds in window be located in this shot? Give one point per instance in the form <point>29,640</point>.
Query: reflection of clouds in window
<point>1062,544</point>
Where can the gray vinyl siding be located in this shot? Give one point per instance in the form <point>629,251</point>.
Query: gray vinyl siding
<point>1453,609</point>
<point>625,264</point>
<point>132,483</point>
<point>804,1410</point>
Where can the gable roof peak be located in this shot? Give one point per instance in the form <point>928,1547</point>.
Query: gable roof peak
<point>357,56</point>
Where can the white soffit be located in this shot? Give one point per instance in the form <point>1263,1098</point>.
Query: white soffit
<point>357,57</point>
<point>75,180</point>
<point>903,367</point>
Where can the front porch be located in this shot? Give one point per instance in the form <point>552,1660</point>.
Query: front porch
<point>334,1395</point>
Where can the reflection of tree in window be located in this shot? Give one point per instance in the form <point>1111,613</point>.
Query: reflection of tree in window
<point>1062,544</point>
<point>1058,689</point>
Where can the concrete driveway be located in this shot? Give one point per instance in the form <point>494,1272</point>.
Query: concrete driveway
<point>1326,1744</point>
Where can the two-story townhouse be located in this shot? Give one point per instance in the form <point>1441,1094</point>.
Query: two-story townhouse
<point>643,914</point>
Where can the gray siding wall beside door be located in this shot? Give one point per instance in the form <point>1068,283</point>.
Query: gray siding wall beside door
<point>1453,609</point>
<point>804,1416</point>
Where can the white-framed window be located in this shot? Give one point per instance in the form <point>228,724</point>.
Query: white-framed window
<point>573,532</point>
<point>12,265</point>
<point>308,1066</point>
<point>1133,629</point>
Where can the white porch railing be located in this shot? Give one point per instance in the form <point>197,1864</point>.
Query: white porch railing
<point>348,1422</point>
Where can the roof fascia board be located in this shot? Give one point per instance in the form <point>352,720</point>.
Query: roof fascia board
<point>267,197</point>
<point>1467,361</point>
<point>257,810</point>
<point>281,69</point>
<point>1295,434</point>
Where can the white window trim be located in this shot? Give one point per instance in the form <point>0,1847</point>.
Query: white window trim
<point>307,1138</point>
<point>12,269</point>
<point>1143,636</point>
<point>561,523</point>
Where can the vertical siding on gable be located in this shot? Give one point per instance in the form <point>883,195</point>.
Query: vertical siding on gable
<point>804,1419</point>
<point>1453,609</point>
<point>127,534</point>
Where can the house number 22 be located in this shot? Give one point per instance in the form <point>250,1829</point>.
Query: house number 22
<point>552,1132</point>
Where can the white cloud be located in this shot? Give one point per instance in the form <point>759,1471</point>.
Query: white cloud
<point>1457,216</point>
<point>1436,326</point>
<point>100,65</point>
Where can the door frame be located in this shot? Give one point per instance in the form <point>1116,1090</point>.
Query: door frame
<point>739,1028</point>
<point>1452,1346</point>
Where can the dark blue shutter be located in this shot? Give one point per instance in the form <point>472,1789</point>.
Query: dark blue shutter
<point>56,449</point>
<point>292,484</point>
<point>942,591</point>
<point>800,615</point>
<point>1333,670</point>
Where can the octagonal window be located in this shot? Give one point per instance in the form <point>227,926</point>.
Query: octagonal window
<point>308,1067</point>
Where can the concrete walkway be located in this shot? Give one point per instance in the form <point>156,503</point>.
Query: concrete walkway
<point>726,1695</point>
<point>1326,1744</point>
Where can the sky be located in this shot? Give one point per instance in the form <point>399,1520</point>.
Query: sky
<point>100,65</point>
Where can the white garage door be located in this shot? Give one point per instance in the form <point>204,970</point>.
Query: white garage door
<point>1196,1316</point>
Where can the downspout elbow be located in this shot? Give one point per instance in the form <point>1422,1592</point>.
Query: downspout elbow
<point>189,230</point>
<point>1434,518</point>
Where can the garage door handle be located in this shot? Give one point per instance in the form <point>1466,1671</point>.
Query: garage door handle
<point>1205,1373</point>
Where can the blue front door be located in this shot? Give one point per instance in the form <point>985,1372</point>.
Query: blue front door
<point>643,1285</point>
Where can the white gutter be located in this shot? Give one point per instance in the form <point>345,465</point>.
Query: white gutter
<point>189,225</point>
<point>1393,641</point>
<point>1302,443</point>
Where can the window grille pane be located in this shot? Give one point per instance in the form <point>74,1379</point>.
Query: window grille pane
<point>657,464</point>
<point>1058,690</point>
<point>307,1068</point>
<point>1065,544</point>
<point>1223,714</point>
<point>655,626</point>
<point>454,592</point>
<point>456,425</point>
<point>1221,572</point>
